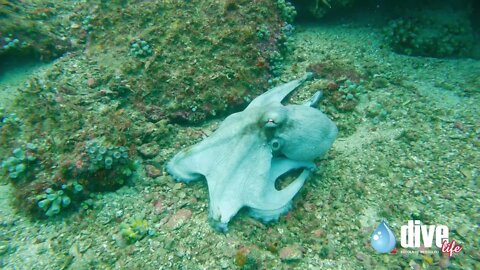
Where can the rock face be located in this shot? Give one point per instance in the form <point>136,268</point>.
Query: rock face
<point>189,73</point>
<point>177,62</point>
<point>251,149</point>
<point>25,34</point>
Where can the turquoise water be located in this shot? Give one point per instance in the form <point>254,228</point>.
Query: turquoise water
<point>97,97</point>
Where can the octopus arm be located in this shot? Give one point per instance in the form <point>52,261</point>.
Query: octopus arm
<point>271,198</point>
<point>277,94</point>
<point>194,162</point>
<point>236,175</point>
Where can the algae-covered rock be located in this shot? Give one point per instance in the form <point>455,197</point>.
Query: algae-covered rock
<point>192,59</point>
<point>443,29</point>
<point>443,33</point>
<point>25,35</point>
<point>142,67</point>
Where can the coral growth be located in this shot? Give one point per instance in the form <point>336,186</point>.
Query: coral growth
<point>20,165</point>
<point>287,10</point>
<point>53,201</point>
<point>134,230</point>
<point>140,48</point>
<point>432,28</point>
<point>100,167</point>
<point>431,36</point>
<point>342,83</point>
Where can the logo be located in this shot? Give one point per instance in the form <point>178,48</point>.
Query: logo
<point>414,235</point>
<point>383,240</point>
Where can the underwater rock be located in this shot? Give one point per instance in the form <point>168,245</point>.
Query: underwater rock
<point>149,150</point>
<point>441,31</point>
<point>179,218</point>
<point>25,36</point>
<point>244,157</point>
<point>152,171</point>
<point>290,253</point>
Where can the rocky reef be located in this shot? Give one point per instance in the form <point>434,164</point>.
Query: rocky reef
<point>442,29</point>
<point>119,90</point>
<point>29,32</point>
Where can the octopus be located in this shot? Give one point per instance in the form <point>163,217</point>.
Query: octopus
<point>251,149</point>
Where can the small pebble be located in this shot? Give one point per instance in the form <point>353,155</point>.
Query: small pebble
<point>149,150</point>
<point>158,206</point>
<point>84,245</point>
<point>444,262</point>
<point>177,186</point>
<point>91,82</point>
<point>318,233</point>
<point>3,247</point>
<point>152,171</point>
<point>462,230</point>
<point>179,218</point>
<point>360,256</point>
<point>290,253</point>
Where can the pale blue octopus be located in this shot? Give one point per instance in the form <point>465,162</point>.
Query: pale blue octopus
<point>251,149</point>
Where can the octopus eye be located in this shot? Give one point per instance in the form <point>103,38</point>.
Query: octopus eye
<point>271,123</point>
<point>274,117</point>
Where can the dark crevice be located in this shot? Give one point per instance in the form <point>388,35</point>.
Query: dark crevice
<point>13,60</point>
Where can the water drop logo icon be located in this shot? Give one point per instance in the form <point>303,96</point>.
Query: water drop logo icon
<point>383,240</point>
